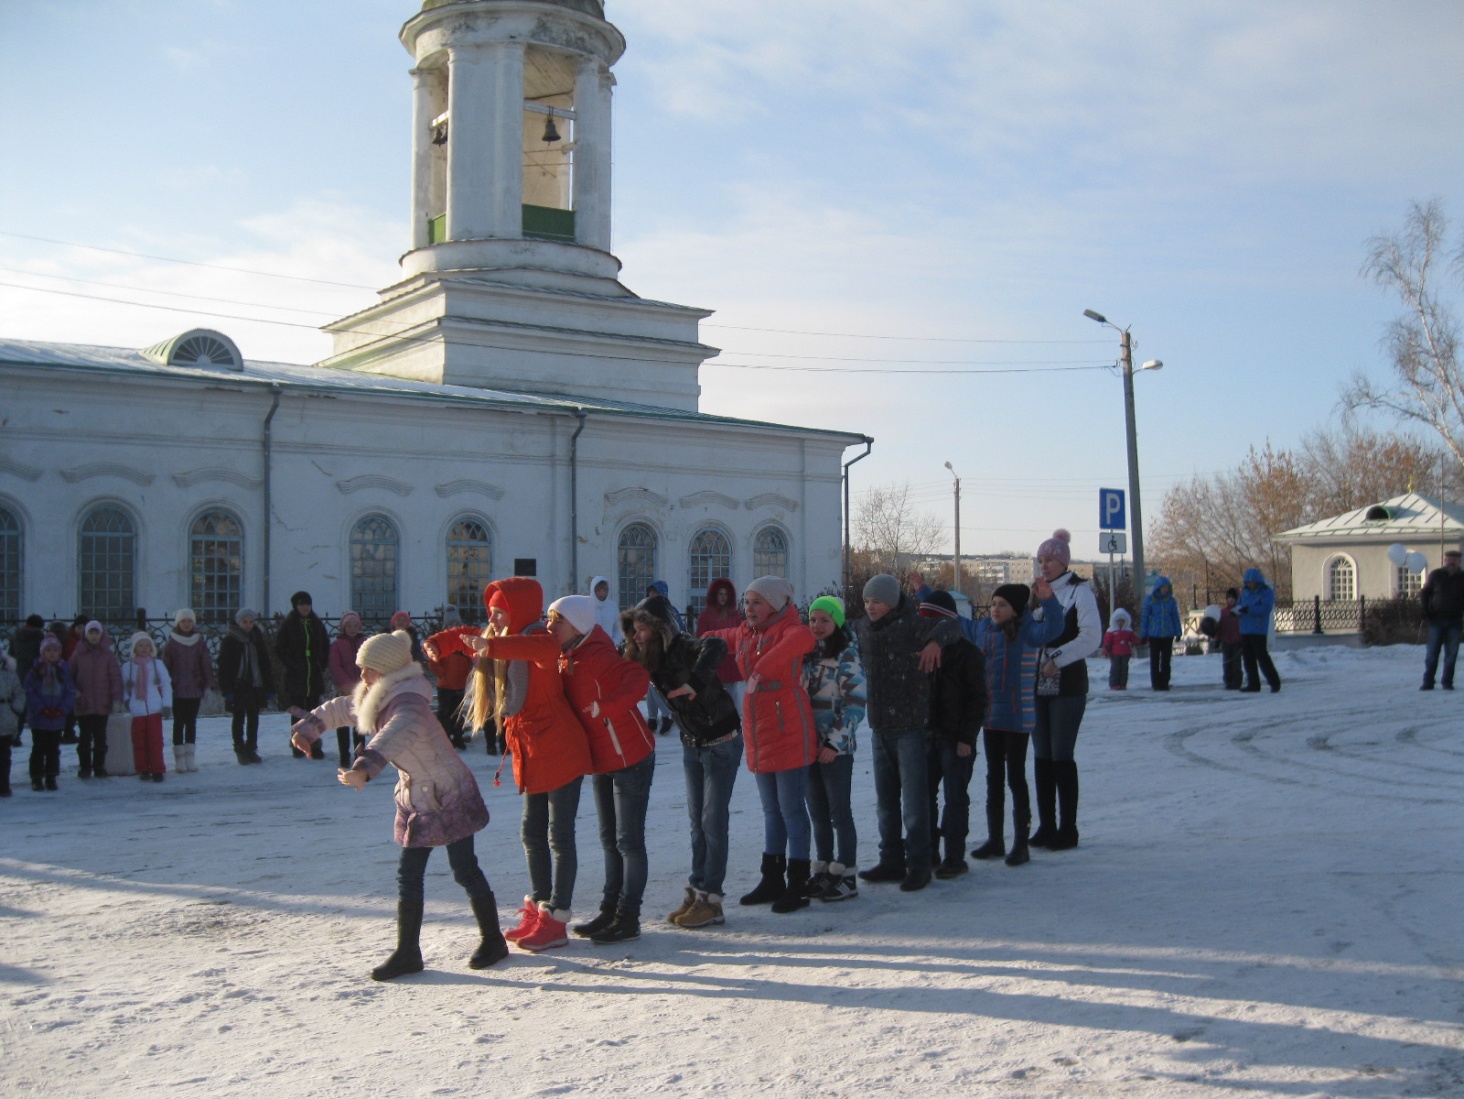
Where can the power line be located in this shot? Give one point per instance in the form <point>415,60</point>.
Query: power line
<point>866,336</point>
<point>150,290</point>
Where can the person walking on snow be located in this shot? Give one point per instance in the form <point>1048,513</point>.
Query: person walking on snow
<point>437,800</point>
<point>1443,606</point>
<point>1159,625</point>
<point>1254,611</point>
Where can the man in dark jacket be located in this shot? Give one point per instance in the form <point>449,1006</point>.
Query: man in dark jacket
<point>684,672</point>
<point>957,712</point>
<point>898,648</point>
<point>1443,606</point>
<point>303,648</point>
<point>25,647</point>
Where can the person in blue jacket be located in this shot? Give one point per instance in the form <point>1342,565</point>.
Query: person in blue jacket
<point>1159,625</point>
<point>1254,612</point>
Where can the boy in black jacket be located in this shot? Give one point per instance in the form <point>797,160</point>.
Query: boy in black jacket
<point>957,712</point>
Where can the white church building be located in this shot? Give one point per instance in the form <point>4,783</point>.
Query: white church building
<point>507,407</point>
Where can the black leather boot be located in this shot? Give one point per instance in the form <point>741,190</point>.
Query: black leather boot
<point>773,883</point>
<point>491,948</point>
<point>1066,837</point>
<point>407,958</point>
<point>995,845</point>
<point>794,894</point>
<point>1019,853</point>
<point>1046,782</point>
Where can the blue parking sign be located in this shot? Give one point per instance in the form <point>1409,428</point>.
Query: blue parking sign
<point>1111,510</point>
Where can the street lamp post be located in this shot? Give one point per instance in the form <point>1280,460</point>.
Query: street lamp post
<point>1136,512</point>
<point>956,585</point>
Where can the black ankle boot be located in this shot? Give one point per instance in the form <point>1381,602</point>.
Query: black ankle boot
<point>1046,782</point>
<point>407,958</point>
<point>794,895</point>
<point>491,947</point>
<point>598,924</point>
<point>995,845</point>
<point>1066,836</point>
<point>772,885</point>
<point>1019,853</point>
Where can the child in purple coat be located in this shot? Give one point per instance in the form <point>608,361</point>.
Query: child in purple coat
<point>50,693</point>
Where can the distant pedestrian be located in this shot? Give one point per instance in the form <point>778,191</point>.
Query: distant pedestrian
<point>1118,646</point>
<point>721,613</point>
<point>98,675</point>
<point>303,648</point>
<point>1160,626</point>
<point>1228,634</point>
<point>607,610</point>
<point>345,675</point>
<point>246,680</point>
<point>452,664</point>
<point>147,689</point>
<point>49,694</point>
<point>402,620</point>
<point>1254,611</point>
<point>185,655</point>
<point>12,710</point>
<point>1443,606</point>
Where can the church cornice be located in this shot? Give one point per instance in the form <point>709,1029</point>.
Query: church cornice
<point>215,473</point>
<point>106,469</point>
<point>373,480</point>
<point>458,488</point>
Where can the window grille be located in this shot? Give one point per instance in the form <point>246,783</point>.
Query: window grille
<point>469,567</point>
<point>107,564</point>
<point>635,563</point>
<point>215,567</point>
<point>374,545</point>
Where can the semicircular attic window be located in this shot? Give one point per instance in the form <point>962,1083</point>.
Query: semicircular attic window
<point>199,347</point>
<point>1377,514</point>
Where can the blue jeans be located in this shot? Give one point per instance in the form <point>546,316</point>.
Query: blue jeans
<point>954,772</point>
<point>1055,734</point>
<point>656,707</point>
<point>830,807</point>
<point>902,795</point>
<point>460,857</point>
<point>710,775</point>
<point>621,800</point>
<point>785,816</point>
<point>1445,636</point>
<point>548,835</point>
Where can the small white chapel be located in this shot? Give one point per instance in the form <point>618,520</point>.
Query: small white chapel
<point>508,406</point>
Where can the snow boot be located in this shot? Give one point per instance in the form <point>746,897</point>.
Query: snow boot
<point>1019,853</point>
<point>549,932</point>
<point>180,757</point>
<point>773,882</point>
<point>491,947</point>
<point>684,908</point>
<point>1045,780</point>
<point>995,845</point>
<point>844,886</point>
<point>528,918</point>
<point>795,895</point>
<point>1066,836</point>
<point>407,958</point>
<point>705,910</point>
<point>883,871</point>
<point>952,866</point>
<point>599,923</point>
<point>623,928</point>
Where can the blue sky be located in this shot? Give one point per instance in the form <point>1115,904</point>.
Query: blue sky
<point>965,176</point>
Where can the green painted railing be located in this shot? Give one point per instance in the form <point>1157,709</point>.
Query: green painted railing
<point>547,223</point>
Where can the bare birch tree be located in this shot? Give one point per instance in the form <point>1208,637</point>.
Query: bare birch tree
<point>890,533</point>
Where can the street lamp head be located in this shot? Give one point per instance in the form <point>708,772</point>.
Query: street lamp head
<point>1092,316</point>
<point>1153,364</point>
<point>950,467</point>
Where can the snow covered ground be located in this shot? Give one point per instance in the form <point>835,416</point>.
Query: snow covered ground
<point>1267,901</point>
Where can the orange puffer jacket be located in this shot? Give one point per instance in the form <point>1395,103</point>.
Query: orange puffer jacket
<point>548,745</point>
<point>777,719</point>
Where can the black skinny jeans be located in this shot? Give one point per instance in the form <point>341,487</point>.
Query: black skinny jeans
<point>185,719</point>
<point>460,857</point>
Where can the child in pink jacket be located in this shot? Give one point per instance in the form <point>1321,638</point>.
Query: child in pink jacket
<point>1118,646</point>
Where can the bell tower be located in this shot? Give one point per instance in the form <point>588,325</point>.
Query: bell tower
<point>509,282</point>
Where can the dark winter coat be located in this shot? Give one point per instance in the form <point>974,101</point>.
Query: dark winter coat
<point>1082,633</point>
<point>1443,597</point>
<point>25,646</point>
<point>685,661</point>
<point>247,693</point>
<point>98,678</point>
<point>50,692</point>
<point>958,694</point>
<point>897,691</point>
<point>12,701</point>
<point>304,650</point>
<point>1229,633</point>
<point>189,666</point>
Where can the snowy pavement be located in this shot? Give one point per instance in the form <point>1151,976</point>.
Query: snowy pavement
<point>1267,901</point>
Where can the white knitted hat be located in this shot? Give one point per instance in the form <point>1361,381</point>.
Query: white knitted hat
<point>386,652</point>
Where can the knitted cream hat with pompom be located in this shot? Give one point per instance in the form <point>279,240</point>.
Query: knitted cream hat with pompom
<point>386,652</point>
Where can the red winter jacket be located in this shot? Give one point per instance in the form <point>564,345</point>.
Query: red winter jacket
<point>548,745</point>
<point>714,617</point>
<point>452,666</point>
<point>605,690</point>
<point>777,718</point>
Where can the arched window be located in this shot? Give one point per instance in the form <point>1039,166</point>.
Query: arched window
<point>469,566</point>
<point>635,561</point>
<point>710,558</point>
<point>107,565</point>
<point>770,553</point>
<point>216,566</point>
<point>374,544</point>
<point>1409,582</point>
<point>1341,580</point>
<point>10,550</point>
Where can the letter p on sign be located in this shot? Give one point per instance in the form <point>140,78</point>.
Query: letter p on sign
<point>1111,509</point>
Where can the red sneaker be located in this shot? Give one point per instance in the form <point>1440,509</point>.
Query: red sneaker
<point>549,932</point>
<point>528,920</point>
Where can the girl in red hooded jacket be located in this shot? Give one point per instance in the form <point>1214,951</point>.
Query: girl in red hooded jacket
<point>516,683</point>
<point>779,732</point>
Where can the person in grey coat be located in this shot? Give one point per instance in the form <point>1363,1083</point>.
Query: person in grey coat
<point>438,803</point>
